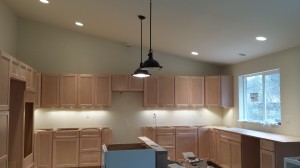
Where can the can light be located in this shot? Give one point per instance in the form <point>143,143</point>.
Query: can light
<point>44,1</point>
<point>79,24</point>
<point>194,53</point>
<point>261,38</point>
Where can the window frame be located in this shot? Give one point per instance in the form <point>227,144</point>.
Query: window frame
<point>243,96</point>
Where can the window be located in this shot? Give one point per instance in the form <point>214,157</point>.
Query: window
<point>259,97</point>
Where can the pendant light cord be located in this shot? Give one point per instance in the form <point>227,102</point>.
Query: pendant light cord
<point>150,23</point>
<point>141,42</point>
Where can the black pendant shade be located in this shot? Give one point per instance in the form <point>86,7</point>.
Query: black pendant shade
<point>151,63</point>
<point>140,73</point>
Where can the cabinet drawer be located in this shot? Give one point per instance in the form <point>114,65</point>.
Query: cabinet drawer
<point>267,145</point>
<point>89,159</point>
<point>165,130</point>
<point>166,140</point>
<point>90,144</point>
<point>186,130</point>
<point>230,136</point>
<point>66,134</point>
<point>90,132</point>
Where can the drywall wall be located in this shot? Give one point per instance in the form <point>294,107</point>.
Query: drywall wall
<point>8,29</point>
<point>126,117</point>
<point>288,63</point>
<point>55,50</point>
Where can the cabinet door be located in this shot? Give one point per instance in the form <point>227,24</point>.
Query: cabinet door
<point>4,81</point>
<point>166,89</point>
<point>227,91</point>
<point>225,158</point>
<point>149,132</point>
<point>68,90</point>
<point>212,146</point>
<point>103,91</point>
<point>22,71</point>
<point>90,144</point>
<point>203,143</point>
<point>185,143</point>
<point>50,91</point>
<point>38,80</point>
<point>89,159</point>
<point>106,136</point>
<point>196,91</point>
<point>43,149</point>
<point>119,83</point>
<point>86,90</point>
<point>135,84</point>
<point>151,91</point>
<point>14,68</point>
<point>182,90</point>
<point>267,159</point>
<point>212,91</point>
<point>65,152</point>
<point>4,133</point>
<point>235,150</point>
<point>29,81</point>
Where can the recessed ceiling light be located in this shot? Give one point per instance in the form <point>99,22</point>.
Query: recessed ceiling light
<point>194,53</point>
<point>261,38</point>
<point>44,1</point>
<point>79,24</point>
<point>242,54</point>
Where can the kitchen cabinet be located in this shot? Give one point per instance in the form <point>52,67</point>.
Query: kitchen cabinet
<point>43,148</point>
<point>4,80</point>
<point>214,145</point>
<point>50,91</point>
<point>165,137</point>
<point>90,147</point>
<point>135,84</point>
<point>119,83</point>
<point>4,134</point>
<point>203,143</point>
<point>106,135</point>
<point>149,132</point>
<point>30,79</point>
<point>182,90</point>
<point>37,102</point>
<point>151,91</point>
<point>103,91</point>
<point>18,69</point>
<point>65,148</point>
<point>86,90</point>
<point>68,90</point>
<point>196,91</point>
<point>166,89</point>
<point>267,154</point>
<point>186,141</point>
<point>230,150</point>
<point>219,91</point>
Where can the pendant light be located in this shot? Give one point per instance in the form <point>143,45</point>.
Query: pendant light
<point>151,63</point>
<point>140,73</point>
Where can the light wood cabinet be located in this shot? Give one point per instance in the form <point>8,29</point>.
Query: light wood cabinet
<point>166,89</point>
<point>37,102</point>
<point>203,143</point>
<point>50,91</point>
<point>212,145</point>
<point>165,137</point>
<point>151,91</point>
<point>182,88</point>
<point>103,91</point>
<point>219,91</point>
<point>86,90</point>
<point>196,91</point>
<point>4,80</point>
<point>106,135</point>
<point>18,69</point>
<point>267,154</point>
<point>186,141</point>
<point>230,150</point>
<point>43,148</point>
<point>31,76</point>
<point>135,84</point>
<point>4,134</point>
<point>68,90</point>
<point>149,132</point>
<point>119,83</point>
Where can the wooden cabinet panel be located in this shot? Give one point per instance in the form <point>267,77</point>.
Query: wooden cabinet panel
<point>29,82</point>
<point>119,83</point>
<point>149,132</point>
<point>236,156</point>
<point>37,102</point>
<point>50,91</point>
<point>151,91</point>
<point>203,143</point>
<point>22,71</point>
<point>43,148</point>
<point>267,159</point>
<point>90,144</point>
<point>4,134</point>
<point>212,91</point>
<point>227,91</point>
<point>14,68</point>
<point>166,89</point>
<point>65,152</point>
<point>87,159</point>
<point>106,136</point>
<point>230,150</point>
<point>68,90</point>
<point>267,145</point>
<point>4,80</point>
<point>186,142</point>
<point>196,91</point>
<point>135,84</point>
<point>103,91</point>
<point>182,90</point>
<point>225,158</point>
<point>86,90</point>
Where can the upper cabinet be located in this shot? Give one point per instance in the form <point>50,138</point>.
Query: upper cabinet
<point>38,80</point>
<point>151,91</point>
<point>4,80</point>
<point>103,91</point>
<point>50,91</point>
<point>31,77</point>
<point>166,89</point>
<point>124,83</point>
<point>196,91</point>
<point>86,90</point>
<point>18,69</point>
<point>219,91</point>
<point>182,90</point>
<point>68,90</point>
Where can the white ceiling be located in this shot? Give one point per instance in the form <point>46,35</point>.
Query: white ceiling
<point>218,29</point>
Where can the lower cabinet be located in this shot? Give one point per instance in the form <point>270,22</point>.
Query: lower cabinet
<point>186,141</point>
<point>4,133</point>
<point>267,154</point>
<point>65,152</point>
<point>43,148</point>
